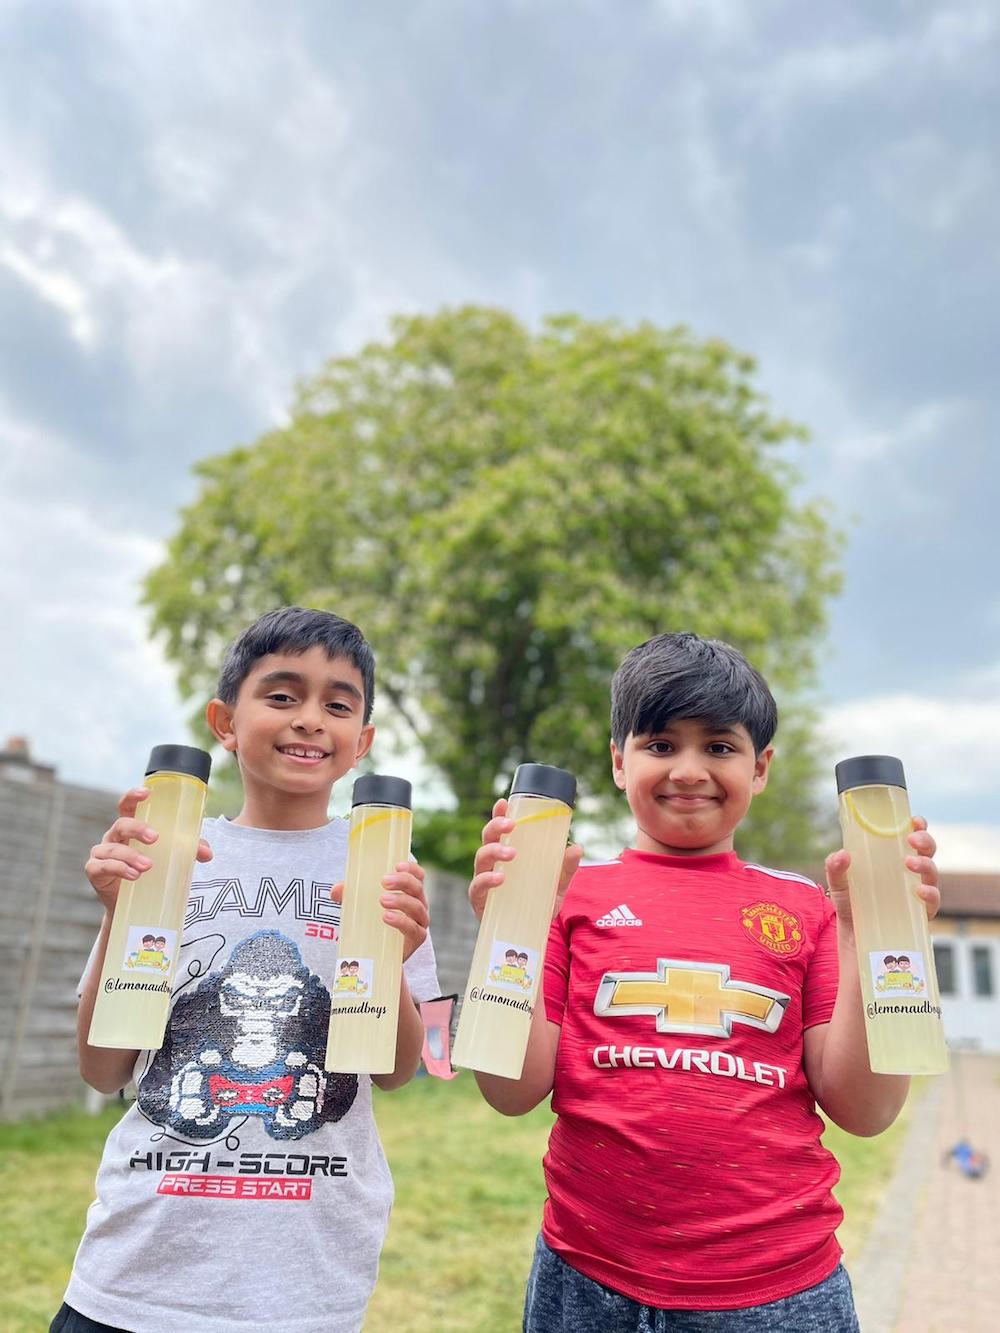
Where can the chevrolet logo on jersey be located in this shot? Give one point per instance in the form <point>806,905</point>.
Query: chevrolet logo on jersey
<point>695,998</point>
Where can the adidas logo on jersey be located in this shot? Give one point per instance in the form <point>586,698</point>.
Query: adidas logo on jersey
<point>619,916</point>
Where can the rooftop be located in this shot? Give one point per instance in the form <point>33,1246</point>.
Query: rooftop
<point>970,894</point>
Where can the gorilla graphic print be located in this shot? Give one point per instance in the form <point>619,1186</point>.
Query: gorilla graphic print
<point>249,1041</point>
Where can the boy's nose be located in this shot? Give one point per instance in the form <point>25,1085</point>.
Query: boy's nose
<point>688,768</point>
<point>308,718</point>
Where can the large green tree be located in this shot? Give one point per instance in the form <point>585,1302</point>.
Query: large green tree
<point>505,512</point>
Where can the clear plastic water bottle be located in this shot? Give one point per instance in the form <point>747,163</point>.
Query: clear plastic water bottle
<point>133,999</point>
<point>895,959</point>
<point>364,993</point>
<point>505,977</point>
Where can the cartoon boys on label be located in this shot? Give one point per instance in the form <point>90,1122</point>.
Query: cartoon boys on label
<point>354,977</point>
<point>898,974</point>
<point>512,968</point>
<point>148,950</point>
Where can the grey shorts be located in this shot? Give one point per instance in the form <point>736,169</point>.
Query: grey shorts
<point>561,1300</point>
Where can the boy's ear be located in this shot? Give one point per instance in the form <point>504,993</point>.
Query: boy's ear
<point>219,717</point>
<point>617,767</point>
<point>365,741</point>
<point>762,764</point>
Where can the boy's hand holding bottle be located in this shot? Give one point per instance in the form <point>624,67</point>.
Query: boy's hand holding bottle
<point>405,904</point>
<point>493,855</point>
<point>921,863</point>
<point>114,859</point>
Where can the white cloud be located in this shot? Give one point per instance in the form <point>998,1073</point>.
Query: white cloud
<point>711,177</point>
<point>959,32</point>
<point>722,21</point>
<point>950,754</point>
<point>925,424</point>
<point>824,72</point>
<point>825,248</point>
<point>58,289</point>
<point>86,685</point>
<point>933,186</point>
<point>968,847</point>
<point>948,743</point>
<point>922,53</point>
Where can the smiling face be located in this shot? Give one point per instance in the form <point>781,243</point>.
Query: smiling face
<point>689,785</point>
<point>297,726</point>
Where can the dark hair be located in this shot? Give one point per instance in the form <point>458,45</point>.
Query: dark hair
<point>293,629</point>
<point>682,676</point>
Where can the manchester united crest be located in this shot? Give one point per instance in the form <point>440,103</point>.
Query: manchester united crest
<point>773,928</point>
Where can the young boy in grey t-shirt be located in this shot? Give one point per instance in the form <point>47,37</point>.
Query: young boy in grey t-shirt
<point>247,1186</point>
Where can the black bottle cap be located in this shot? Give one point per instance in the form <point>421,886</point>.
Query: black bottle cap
<point>180,759</point>
<point>377,789</point>
<point>870,770</point>
<point>544,780</point>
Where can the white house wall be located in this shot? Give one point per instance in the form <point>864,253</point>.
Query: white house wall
<point>971,1020</point>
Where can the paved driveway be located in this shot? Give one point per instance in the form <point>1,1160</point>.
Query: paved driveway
<point>932,1260</point>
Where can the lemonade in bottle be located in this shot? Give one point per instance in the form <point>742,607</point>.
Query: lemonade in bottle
<point>895,959</point>
<point>364,993</point>
<point>133,997</point>
<point>505,976</point>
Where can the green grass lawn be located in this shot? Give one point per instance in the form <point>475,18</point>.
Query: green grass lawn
<point>469,1193</point>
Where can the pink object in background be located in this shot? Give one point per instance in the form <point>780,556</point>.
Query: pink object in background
<point>436,1016</point>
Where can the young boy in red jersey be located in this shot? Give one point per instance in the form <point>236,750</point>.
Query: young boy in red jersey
<point>697,1010</point>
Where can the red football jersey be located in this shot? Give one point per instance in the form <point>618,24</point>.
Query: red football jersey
<point>685,1169</point>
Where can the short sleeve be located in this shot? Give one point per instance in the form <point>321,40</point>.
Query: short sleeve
<point>420,970</point>
<point>819,992</point>
<point>556,979</point>
<point>91,962</point>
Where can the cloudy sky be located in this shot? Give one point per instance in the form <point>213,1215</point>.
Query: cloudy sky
<point>200,203</point>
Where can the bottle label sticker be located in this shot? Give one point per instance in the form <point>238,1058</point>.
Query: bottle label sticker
<point>898,973</point>
<point>149,949</point>
<point>354,979</point>
<point>512,967</point>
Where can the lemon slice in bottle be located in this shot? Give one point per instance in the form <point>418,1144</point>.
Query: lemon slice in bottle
<point>878,812</point>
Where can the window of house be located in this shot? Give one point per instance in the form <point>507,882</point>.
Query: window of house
<point>982,969</point>
<point>944,964</point>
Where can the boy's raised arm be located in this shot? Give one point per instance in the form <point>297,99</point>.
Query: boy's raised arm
<point>409,1043</point>
<point>405,904</point>
<point>508,1095</point>
<point>836,1053</point>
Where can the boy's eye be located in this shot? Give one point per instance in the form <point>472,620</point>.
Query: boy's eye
<point>720,747</point>
<point>279,698</point>
<point>338,705</point>
<point>659,747</point>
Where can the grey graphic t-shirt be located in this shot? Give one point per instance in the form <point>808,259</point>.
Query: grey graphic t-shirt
<point>246,1187</point>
